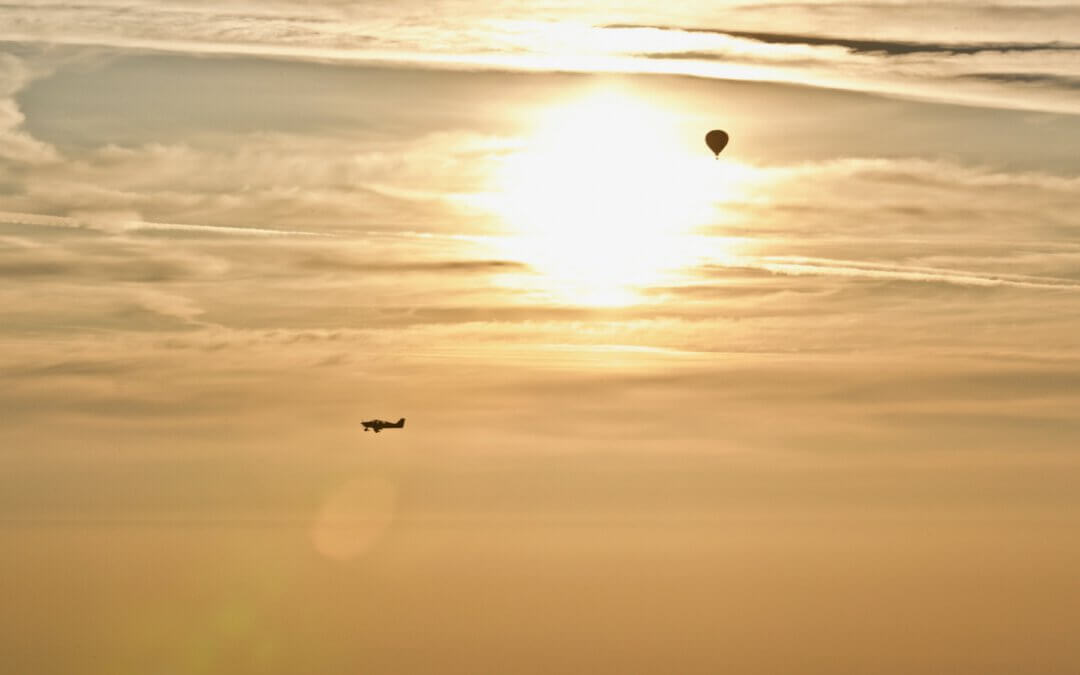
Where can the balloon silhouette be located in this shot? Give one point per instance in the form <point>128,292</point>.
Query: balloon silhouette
<point>716,140</point>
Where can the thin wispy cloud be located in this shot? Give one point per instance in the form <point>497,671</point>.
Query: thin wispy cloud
<point>329,263</point>
<point>119,223</point>
<point>913,63</point>
<point>887,47</point>
<point>15,144</point>
<point>796,265</point>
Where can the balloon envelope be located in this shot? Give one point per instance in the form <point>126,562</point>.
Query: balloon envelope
<point>716,140</point>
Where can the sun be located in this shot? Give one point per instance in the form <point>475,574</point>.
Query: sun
<point>603,198</point>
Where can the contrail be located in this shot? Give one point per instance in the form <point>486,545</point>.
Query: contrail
<point>797,265</point>
<point>36,220</point>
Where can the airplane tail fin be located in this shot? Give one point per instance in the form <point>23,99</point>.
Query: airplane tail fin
<point>401,422</point>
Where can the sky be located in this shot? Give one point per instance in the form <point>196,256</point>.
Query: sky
<point>805,407</point>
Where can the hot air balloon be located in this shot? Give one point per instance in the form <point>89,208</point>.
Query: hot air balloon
<point>716,140</point>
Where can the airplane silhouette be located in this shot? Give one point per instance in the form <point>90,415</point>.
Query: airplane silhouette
<point>379,425</point>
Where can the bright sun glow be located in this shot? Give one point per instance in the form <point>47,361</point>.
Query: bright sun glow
<point>604,198</point>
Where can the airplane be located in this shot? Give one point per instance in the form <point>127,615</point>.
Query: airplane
<point>379,425</point>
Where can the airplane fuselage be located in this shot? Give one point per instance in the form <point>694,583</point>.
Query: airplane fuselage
<point>379,425</point>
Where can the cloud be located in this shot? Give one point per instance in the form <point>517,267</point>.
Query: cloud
<point>330,263</point>
<point>804,240</point>
<point>799,265</point>
<point>116,222</point>
<point>857,46</point>
<point>963,23</point>
<point>307,180</point>
<point>15,144</point>
<point>69,368</point>
<point>193,251</point>
<point>337,181</point>
<point>942,202</point>
<point>170,305</point>
<point>1043,79</point>
<point>181,392</point>
<point>828,45</point>
<point>119,263</point>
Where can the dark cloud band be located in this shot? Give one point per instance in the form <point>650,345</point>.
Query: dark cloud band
<point>887,47</point>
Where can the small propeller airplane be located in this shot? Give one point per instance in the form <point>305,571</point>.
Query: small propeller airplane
<point>379,425</point>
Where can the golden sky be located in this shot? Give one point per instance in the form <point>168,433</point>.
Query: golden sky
<point>808,407</point>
